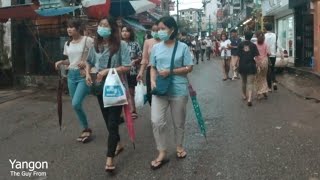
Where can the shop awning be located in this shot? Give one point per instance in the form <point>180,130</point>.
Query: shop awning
<point>19,12</point>
<point>134,24</point>
<point>56,11</point>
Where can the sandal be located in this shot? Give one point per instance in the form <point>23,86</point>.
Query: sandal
<point>158,164</point>
<point>110,168</point>
<point>85,136</point>
<point>134,115</point>
<point>181,154</point>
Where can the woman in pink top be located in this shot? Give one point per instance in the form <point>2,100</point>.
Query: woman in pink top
<point>145,63</point>
<point>262,66</point>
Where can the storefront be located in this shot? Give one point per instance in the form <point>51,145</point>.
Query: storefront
<point>304,32</point>
<point>285,32</point>
<point>284,25</point>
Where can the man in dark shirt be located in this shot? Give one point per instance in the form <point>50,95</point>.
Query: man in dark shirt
<point>247,52</point>
<point>235,41</point>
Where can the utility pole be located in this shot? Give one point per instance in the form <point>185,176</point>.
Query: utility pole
<point>165,7</point>
<point>178,12</point>
<point>209,25</point>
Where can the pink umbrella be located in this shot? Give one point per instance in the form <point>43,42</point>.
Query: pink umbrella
<point>127,112</point>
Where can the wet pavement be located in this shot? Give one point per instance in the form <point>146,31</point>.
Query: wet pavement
<point>276,139</point>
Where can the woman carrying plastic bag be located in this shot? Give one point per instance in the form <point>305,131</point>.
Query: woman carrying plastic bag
<point>109,52</point>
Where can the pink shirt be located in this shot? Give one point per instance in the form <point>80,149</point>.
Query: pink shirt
<point>147,47</point>
<point>263,51</point>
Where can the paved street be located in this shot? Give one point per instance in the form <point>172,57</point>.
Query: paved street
<point>276,139</point>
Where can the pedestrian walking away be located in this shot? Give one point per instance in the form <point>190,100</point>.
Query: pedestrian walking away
<point>145,63</point>
<point>76,49</point>
<point>128,36</point>
<point>108,52</point>
<point>235,41</point>
<point>247,52</point>
<point>271,41</point>
<point>203,47</point>
<point>208,47</point>
<point>226,56</point>
<point>262,66</point>
<point>197,48</point>
<point>174,70</point>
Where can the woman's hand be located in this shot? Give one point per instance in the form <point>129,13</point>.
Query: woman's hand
<point>101,75</point>
<point>153,85</point>
<point>164,73</point>
<point>82,65</point>
<point>139,76</point>
<point>57,64</point>
<point>88,79</point>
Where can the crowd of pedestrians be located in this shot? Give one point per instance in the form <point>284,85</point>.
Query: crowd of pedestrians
<point>163,65</point>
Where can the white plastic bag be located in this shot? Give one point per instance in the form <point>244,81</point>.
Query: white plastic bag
<point>140,92</point>
<point>114,93</point>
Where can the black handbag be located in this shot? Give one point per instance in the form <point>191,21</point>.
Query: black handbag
<point>163,83</point>
<point>97,87</point>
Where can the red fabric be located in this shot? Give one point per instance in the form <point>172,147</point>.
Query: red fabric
<point>156,2</point>
<point>18,12</point>
<point>98,11</point>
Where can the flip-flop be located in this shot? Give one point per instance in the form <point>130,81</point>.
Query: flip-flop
<point>134,115</point>
<point>181,154</point>
<point>110,168</point>
<point>160,164</point>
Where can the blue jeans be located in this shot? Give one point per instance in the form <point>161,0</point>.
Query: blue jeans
<point>78,90</point>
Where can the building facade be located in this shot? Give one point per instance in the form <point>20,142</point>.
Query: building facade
<point>283,20</point>
<point>192,17</point>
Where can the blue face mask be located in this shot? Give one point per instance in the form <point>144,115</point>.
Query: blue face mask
<point>163,35</point>
<point>104,31</point>
<point>155,35</point>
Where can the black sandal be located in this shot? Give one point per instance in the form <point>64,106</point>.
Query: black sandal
<point>85,138</point>
<point>160,164</point>
<point>181,154</point>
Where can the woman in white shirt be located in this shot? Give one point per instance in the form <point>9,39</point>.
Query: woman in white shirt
<point>226,55</point>
<point>77,50</point>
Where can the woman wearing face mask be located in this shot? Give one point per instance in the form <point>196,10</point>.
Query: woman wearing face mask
<point>128,36</point>
<point>145,63</point>
<point>76,49</point>
<point>177,94</point>
<point>109,52</point>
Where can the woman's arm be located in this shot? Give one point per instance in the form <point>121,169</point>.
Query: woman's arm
<point>183,70</point>
<point>153,75</point>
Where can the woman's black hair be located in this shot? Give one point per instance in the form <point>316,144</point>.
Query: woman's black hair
<point>114,39</point>
<point>248,35</point>
<point>131,31</point>
<point>172,24</point>
<point>77,24</point>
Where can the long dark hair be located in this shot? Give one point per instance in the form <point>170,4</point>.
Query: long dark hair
<point>114,39</point>
<point>260,37</point>
<point>77,24</point>
<point>131,31</point>
<point>170,23</point>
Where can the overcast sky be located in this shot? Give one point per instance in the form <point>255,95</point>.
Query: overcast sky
<point>185,4</point>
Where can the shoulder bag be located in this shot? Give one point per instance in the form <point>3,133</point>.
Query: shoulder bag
<point>163,83</point>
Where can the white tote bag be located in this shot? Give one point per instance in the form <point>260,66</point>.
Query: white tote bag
<point>140,92</point>
<point>114,93</point>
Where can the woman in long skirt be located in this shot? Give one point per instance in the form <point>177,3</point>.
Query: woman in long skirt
<point>262,66</point>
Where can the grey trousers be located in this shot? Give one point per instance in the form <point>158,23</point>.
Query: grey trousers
<point>159,108</point>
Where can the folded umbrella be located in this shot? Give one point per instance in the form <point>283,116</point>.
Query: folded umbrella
<point>59,99</point>
<point>197,110</point>
<point>127,112</point>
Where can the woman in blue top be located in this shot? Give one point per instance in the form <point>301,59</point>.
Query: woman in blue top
<point>108,52</point>
<point>177,95</point>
